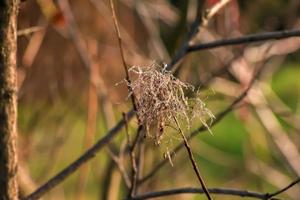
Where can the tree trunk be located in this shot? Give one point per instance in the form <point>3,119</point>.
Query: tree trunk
<point>8,104</point>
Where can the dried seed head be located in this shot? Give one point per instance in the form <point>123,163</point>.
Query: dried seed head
<point>160,97</point>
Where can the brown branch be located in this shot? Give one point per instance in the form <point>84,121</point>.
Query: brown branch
<point>192,159</point>
<point>134,175</point>
<point>114,17</point>
<point>127,77</point>
<point>285,188</point>
<point>219,191</point>
<point>276,35</point>
<point>30,30</point>
<point>214,10</point>
<point>132,188</point>
<point>120,165</point>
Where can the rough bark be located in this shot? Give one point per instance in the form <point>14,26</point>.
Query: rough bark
<point>8,108</point>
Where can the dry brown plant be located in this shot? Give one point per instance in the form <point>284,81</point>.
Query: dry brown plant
<point>161,97</point>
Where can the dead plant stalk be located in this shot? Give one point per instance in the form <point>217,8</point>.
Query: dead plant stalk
<point>192,159</point>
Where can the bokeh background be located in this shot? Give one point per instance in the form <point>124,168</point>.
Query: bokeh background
<point>69,64</point>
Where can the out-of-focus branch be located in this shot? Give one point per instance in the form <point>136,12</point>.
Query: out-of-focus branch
<point>182,51</point>
<point>219,191</point>
<point>30,53</point>
<point>30,30</point>
<point>119,162</point>
<point>199,21</point>
<point>276,35</point>
<point>282,141</point>
<point>214,10</point>
<point>285,188</point>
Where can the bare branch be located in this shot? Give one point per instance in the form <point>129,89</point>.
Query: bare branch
<point>285,188</point>
<point>219,191</point>
<point>132,188</point>
<point>28,31</point>
<point>214,10</point>
<point>192,159</point>
<point>117,29</point>
<point>276,35</point>
<point>120,165</point>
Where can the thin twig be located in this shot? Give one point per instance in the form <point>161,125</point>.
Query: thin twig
<point>138,161</point>
<point>114,16</point>
<point>127,77</point>
<point>192,159</point>
<point>285,188</point>
<point>276,35</point>
<point>133,100</point>
<point>132,188</point>
<point>30,30</point>
<point>126,128</point>
<point>220,191</point>
<point>214,10</point>
<point>120,166</point>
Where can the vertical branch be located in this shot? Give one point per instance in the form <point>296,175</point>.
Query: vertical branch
<point>192,159</point>
<point>127,77</point>
<point>134,177</point>
<point>8,100</point>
